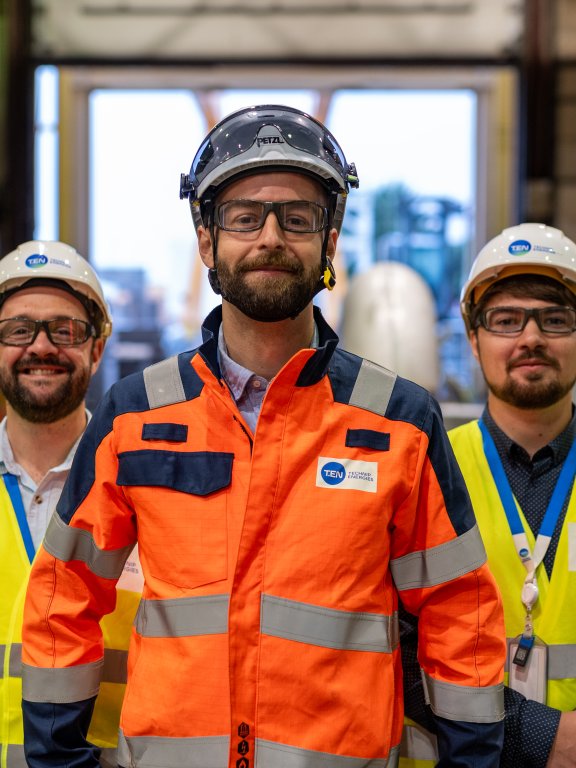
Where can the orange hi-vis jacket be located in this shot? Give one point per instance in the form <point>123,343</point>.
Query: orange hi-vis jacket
<point>267,634</point>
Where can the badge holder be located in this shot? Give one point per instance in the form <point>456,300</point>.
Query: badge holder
<point>528,658</point>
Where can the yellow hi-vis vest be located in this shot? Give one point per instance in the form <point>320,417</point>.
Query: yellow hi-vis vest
<point>554,617</point>
<point>14,571</point>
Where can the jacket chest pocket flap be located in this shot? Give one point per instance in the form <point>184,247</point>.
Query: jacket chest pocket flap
<point>180,502</point>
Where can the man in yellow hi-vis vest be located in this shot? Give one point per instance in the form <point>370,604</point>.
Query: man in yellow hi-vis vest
<point>54,322</point>
<point>519,463</point>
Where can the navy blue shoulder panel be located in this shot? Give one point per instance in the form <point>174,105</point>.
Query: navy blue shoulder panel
<point>343,372</point>
<point>407,401</point>
<point>412,404</point>
<point>127,395</point>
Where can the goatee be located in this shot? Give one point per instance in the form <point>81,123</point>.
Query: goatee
<point>284,297</point>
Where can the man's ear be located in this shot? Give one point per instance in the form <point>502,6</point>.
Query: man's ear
<point>96,353</point>
<point>331,247</point>
<point>205,246</point>
<point>474,344</point>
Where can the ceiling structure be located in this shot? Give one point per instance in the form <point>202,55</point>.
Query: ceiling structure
<point>275,29</point>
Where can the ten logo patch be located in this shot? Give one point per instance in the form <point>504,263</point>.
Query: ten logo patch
<point>36,260</point>
<point>341,474</point>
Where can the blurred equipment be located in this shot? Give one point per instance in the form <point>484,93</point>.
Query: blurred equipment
<point>390,318</point>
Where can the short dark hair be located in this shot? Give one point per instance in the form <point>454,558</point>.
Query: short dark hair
<point>540,287</point>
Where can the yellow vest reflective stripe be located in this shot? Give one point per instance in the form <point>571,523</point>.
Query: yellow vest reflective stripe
<point>418,748</point>
<point>554,619</point>
<point>14,572</point>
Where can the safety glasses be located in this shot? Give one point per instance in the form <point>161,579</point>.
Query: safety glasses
<point>62,331</point>
<point>249,215</point>
<point>555,321</point>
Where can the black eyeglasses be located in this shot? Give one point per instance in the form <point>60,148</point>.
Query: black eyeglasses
<point>62,331</point>
<point>553,321</point>
<point>249,215</point>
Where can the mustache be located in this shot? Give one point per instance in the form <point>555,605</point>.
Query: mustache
<point>272,259</point>
<point>33,361</point>
<point>536,355</point>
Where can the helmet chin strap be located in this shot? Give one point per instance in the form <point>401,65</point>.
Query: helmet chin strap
<point>214,281</point>
<point>212,271</point>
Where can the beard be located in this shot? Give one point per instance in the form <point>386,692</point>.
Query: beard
<point>45,405</point>
<point>535,391</point>
<point>283,297</point>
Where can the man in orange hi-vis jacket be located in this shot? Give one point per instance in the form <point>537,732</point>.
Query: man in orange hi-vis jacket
<point>284,494</point>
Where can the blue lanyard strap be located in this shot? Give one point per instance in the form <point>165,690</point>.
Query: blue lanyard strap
<point>11,483</point>
<point>559,495</point>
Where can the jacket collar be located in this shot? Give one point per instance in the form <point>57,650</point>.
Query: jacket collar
<point>312,371</point>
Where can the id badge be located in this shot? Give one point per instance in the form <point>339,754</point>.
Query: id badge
<point>528,668</point>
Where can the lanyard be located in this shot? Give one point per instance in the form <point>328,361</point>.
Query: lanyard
<point>530,560</point>
<point>11,482</point>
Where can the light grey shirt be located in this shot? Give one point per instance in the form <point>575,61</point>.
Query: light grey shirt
<point>247,388</point>
<point>40,499</point>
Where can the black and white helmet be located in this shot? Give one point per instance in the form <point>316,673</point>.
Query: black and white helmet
<point>265,138</point>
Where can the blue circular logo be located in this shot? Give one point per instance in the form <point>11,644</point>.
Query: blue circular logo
<point>36,260</point>
<point>518,247</point>
<point>524,552</point>
<point>333,473</point>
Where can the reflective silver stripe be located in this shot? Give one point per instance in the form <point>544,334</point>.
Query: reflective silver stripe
<point>15,757</point>
<point>15,663</point>
<point>463,702</point>
<point>373,388</point>
<point>561,661</point>
<point>67,544</point>
<point>328,628</point>
<point>163,383</point>
<point>61,685</point>
<point>269,754</point>
<point>418,743</point>
<point>115,666</point>
<point>114,671</point>
<point>109,757</point>
<point>183,617</point>
<point>154,751</point>
<point>440,564</point>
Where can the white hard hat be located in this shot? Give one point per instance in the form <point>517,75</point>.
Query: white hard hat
<point>39,262</point>
<point>526,249</point>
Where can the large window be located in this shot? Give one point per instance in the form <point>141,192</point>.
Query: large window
<point>424,199</point>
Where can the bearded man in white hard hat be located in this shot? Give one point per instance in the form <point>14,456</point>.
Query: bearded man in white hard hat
<point>519,463</point>
<point>54,322</point>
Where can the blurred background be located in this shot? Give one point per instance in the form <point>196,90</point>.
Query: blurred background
<point>460,117</point>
